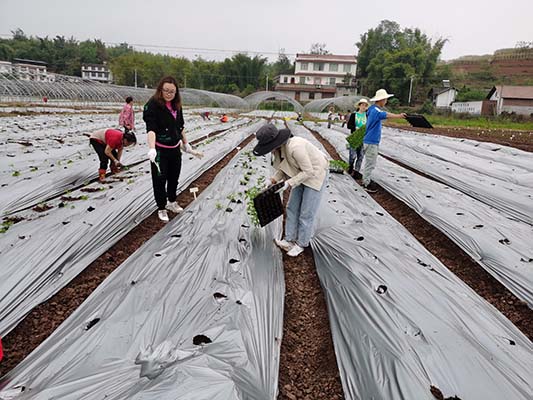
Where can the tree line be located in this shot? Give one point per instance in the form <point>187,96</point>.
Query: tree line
<point>400,60</point>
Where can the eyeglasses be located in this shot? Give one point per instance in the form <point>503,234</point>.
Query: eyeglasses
<point>168,91</point>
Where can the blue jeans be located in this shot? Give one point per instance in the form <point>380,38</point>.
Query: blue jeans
<point>357,156</point>
<point>301,213</point>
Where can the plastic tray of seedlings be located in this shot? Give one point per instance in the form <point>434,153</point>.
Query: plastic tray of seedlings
<point>338,166</point>
<point>418,121</point>
<point>268,204</point>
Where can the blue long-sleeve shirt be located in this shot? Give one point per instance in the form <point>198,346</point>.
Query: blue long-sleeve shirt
<point>373,124</point>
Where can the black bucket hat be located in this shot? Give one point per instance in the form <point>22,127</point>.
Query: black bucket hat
<point>270,138</point>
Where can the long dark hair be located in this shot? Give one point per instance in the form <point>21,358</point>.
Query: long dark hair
<point>158,96</point>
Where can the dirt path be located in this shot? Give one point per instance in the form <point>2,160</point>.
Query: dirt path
<point>308,367</point>
<point>45,318</point>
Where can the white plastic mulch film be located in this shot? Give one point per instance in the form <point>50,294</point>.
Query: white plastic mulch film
<point>195,313</point>
<point>83,223</point>
<point>401,321</point>
<point>501,244</point>
<point>479,174</point>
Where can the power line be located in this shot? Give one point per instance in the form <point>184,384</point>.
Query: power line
<point>185,49</point>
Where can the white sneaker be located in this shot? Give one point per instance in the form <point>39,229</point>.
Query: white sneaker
<point>163,216</point>
<point>283,244</point>
<point>174,207</point>
<point>295,251</point>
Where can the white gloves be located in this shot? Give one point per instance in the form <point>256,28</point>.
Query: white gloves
<point>285,187</point>
<point>152,154</point>
<point>188,149</point>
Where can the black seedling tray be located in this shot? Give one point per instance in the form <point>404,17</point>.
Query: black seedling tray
<point>418,121</point>
<point>336,170</point>
<point>268,204</point>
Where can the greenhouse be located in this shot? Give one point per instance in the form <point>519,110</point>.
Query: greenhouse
<point>343,103</point>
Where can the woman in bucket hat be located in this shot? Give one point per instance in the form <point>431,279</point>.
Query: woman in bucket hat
<point>372,137</point>
<point>303,168</point>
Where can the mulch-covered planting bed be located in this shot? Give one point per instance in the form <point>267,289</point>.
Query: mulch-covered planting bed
<point>455,259</point>
<point>46,317</point>
<point>522,140</point>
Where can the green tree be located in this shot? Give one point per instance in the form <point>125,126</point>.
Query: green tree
<point>389,57</point>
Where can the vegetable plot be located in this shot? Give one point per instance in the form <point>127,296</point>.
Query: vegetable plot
<point>58,244</point>
<point>195,313</point>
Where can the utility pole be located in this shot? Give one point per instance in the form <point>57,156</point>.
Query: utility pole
<point>267,83</point>
<point>135,77</point>
<point>410,90</point>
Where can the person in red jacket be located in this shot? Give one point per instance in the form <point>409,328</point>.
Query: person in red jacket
<point>108,144</point>
<point>224,118</point>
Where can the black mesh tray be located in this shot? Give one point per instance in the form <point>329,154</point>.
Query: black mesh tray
<point>418,121</point>
<point>268,204</point>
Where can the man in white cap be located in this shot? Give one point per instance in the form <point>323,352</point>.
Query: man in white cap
<point>373,135</point>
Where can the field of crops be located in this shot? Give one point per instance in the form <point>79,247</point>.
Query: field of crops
<point>422,291</point>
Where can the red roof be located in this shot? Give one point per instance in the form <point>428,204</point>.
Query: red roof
<point>325,57</point>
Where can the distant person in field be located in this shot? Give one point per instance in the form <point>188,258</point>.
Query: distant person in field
<point>163,115</point>
<point>330,117</point>
<point>108,144</point>
<point>372,138</point>
<point>345,118</point>
<point>356,121</point>
<point>126,118</point>
<point>304,169</point>
<point>205,116</point>
<point>224,118</point>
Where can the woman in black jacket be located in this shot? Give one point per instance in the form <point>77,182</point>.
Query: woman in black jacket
<point>164,123</point>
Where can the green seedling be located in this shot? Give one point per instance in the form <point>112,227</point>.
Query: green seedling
<point>84,197</point>
<point>251,194</point>
<point>15,173</point>
<point>218,206</point>
<point>5,226</point>
<point>338,165</point>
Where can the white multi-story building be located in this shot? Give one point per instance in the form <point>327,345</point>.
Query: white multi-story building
<point>96,72</point>
<point>319,76</point>
<point>29,70</point>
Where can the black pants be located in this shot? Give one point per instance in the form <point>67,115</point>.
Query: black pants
<point>100,150</point>
<point>165,179</point>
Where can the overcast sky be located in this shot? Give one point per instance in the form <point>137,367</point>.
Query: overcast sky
<point>471,26</point>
